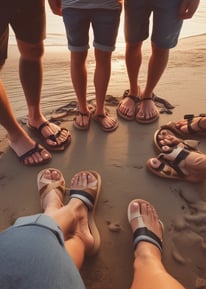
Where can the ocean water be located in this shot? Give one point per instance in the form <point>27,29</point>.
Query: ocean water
<point>62,89</point>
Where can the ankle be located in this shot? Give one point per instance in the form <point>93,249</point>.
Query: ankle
<point>145,252</point>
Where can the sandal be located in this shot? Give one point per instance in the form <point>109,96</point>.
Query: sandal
<point>166,165</point>
<point>89,196</point>
<point>164,132</point>
<point>53,137</point>
<point>45,185</point>
<point>142,233</point>
<point>200,131</point>
<point>36,149</point>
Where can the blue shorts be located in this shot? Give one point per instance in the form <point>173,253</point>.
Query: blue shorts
<point>105,24</point>
<point>166,24</point>
<point>27,19</point>
<point>33,256</point>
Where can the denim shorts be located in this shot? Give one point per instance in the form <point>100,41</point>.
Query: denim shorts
<point>27,19</point>
<point>166,24</point>
<point>105,24</point>
<point>33,256</point>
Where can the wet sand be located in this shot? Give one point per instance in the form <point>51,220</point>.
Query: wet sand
<point>120,158</point>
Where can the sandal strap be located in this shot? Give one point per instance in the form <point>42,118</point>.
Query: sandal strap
<point>36,149</point>
<point>144,234</point>
<point>85,196</point>
<point>132,97</point>
<point>57,185</point>
<point>190,117</point>
<point>147,98</point>
<point>83,113</point>
<point>175,157</point>
<point>52,137</point>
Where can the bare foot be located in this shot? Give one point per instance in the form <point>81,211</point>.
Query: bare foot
<point>51,186</point>
<point>106,122</point>
<point>147,111</point>
<point>82,120</point>
<point>142,214</point>
<point>21,144</point>
<point>166,138</point>
<point>127,107</point>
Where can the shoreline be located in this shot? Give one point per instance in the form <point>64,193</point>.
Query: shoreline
<point>120,159</point>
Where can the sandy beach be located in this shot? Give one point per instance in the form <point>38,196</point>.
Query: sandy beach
<point>120,158</point>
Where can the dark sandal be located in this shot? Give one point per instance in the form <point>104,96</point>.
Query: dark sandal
<point>53,137</point>
<point>36,149</point>
<point>190,118</point>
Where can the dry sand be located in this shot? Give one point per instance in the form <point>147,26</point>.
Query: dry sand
<point>120,158</point>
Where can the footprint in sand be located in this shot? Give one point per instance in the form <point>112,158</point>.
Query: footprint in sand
<point>114,227</point>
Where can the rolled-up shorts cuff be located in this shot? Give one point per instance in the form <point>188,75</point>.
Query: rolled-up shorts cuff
<point>41,220</point>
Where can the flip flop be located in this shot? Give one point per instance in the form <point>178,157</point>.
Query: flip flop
<point>82,114</point>
<point>58,147</point>
<point>142,233</point>
<point>89,196</point>
<point>99,120</point>
<point>36,149</point>
<point>164,131</point>
<point>46,185</point>
<point>147,120</point>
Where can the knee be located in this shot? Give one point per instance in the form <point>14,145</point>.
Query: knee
<point>158,50</point>
<point>133,49</point>
<point>32,52</point>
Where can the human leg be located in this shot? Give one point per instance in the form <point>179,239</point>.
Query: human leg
<point>105,25</point>
<point>77,23</point>
<point>28,23</point>
<point>19,140</point>
<point>26,149</point>
<point>149,271</point>
<point>133,57</point>
<point>165,31</point>
<point>79,81</point>
<point>33,256</point>
<point>101,81</point>
<point>147,111</point>
<point>76,219</point>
